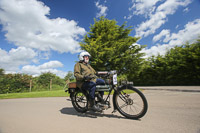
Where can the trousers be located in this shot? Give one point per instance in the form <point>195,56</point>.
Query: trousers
<point>91,87</point>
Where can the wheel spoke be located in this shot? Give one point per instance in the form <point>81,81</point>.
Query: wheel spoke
<point>124,105</point>
<point>130,103</point>
<point>135,109</point>
<point>80,102</point>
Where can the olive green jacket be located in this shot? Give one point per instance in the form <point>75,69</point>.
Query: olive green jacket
<point>81,70</point>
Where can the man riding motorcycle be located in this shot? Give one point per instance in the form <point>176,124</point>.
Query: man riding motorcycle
<point>86,79</point>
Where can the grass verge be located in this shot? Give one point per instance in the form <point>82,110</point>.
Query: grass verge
<point>57,93</point>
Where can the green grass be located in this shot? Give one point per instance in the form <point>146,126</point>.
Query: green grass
<point>57,93</point>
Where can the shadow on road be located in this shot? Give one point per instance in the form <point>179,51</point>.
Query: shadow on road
<point>90,114</point>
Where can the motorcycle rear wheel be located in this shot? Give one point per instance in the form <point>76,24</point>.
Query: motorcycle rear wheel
<point>79,101</point>
<point>130,102</point>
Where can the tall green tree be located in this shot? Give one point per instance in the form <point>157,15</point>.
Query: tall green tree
<point>111,47</point>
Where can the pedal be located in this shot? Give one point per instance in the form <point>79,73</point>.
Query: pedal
<point>103,106</point>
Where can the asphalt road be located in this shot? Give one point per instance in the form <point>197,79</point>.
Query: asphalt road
<point>169,111</point>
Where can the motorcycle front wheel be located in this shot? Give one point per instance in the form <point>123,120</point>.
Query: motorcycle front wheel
<point>79,101</point>
<point>130,102</point>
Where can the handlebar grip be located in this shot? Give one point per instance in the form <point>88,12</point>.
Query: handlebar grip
<point>102,72</point>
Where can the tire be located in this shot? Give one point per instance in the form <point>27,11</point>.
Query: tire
<point>79,101</point>
<point>130,102</point>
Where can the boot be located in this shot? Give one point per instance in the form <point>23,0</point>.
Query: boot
<point>101,103</point>
<point>100,97</point>
<point>94,107</point>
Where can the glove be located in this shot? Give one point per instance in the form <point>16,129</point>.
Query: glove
<point>87,78</point>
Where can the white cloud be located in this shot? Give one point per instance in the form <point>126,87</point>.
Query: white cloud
<point>158,18</point>
<point>46,67</point>
<point>188,34</point>
<point>143,7</point>
<point>155,50</point>
<point>150,26</point>
<point>51,64</point>
<point>12,60</point>
<point>163,33</point>
<point>186,10</point>
<point>26,23</point>
<point>102,9</point>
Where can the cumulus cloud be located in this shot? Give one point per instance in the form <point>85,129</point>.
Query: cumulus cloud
<point>26,23</point>
<point>143,7</point>
<point>188,34</point>
<point>12,60</point>
<point>150,26</point>
<point>159,17</point>
<point>102,9</point>
<point>164,33</point>
<point>155,50</point>
<point>46,67</point>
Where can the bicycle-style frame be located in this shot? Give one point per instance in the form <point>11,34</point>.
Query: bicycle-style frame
<point>124,94</point>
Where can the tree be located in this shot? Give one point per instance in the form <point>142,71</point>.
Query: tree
<point>1,72</point>
<point>184,64</point>
<point>69,76</point>
<point>11,83</point>
<point>111,47</point>
<point>44,78</point>
<point>180,66</point>
<point>47,79</point>
<point>1,80</point>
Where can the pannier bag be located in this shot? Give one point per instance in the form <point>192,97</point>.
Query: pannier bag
<point>72,85</point>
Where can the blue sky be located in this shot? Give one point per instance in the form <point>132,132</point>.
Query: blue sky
<point>39,36</point>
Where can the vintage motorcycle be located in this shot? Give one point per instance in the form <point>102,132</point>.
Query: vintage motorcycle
<point>129,101</point>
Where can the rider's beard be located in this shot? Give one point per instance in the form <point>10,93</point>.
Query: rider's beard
<point>86,60</point>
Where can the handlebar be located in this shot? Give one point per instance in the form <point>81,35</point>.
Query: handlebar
<point>112,72</point>
<point>107,73</point>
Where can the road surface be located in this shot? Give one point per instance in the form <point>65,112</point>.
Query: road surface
<point>169,111</point>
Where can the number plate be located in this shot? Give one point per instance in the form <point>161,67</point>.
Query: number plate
<point>115,79</point>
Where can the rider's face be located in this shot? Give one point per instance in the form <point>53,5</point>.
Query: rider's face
<point>86,59</point>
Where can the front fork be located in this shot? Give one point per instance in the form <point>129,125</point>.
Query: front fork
<point>117,92</point>
<point>114,99</point>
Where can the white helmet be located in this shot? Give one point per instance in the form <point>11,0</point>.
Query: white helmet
<point>82,54</point>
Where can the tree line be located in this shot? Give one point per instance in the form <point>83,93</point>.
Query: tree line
<point>14,83</point>
<point>179,66</point>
